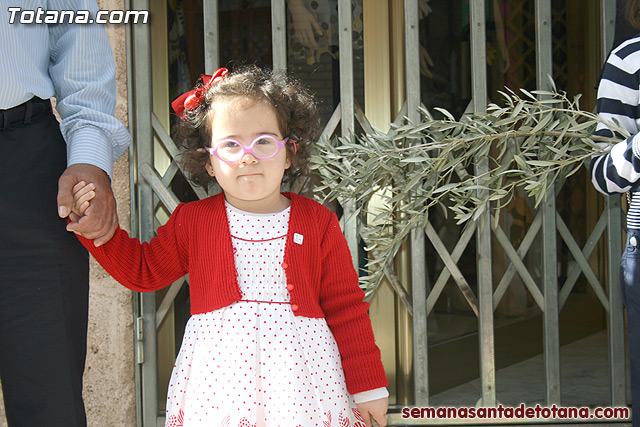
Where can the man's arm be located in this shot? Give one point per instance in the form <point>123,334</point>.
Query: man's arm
<point>83,73</point>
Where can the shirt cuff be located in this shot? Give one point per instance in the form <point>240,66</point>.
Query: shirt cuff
<point>89,145</point>
<point>369,395</point>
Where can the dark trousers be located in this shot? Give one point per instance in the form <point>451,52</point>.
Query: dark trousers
<point>44,282</point>
<point>630,280</point>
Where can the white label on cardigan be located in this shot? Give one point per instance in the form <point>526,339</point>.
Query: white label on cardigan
<point>297,238</point>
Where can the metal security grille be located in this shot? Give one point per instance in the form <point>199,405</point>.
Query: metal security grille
<point>419,295</point>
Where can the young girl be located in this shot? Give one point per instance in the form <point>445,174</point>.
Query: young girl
<point>279,334</point>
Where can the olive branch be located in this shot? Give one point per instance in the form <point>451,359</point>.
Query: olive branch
<point>395,179</point>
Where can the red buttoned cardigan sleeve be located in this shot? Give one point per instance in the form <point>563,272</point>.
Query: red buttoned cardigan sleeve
<point>148,266</point>
<point>347,315</point>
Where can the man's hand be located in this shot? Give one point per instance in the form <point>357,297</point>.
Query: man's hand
<point>374,409</point>
<point>100,220</point>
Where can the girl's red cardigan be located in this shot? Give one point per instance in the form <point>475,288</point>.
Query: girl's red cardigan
<point>317,262</point>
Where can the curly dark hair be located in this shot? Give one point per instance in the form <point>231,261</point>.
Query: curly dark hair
<point>294,105</point>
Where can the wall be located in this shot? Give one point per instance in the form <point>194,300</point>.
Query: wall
<point>109,383</point>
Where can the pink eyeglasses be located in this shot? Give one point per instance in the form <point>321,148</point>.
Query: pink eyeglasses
<point>263,147</point>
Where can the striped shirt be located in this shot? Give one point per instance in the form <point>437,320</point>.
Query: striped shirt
<point>72,62</point>
<point>619,107</point>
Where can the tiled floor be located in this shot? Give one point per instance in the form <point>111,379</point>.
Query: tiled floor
<point>584,379</point>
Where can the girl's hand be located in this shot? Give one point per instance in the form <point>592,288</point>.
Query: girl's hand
<point>82,193</point>
<point>374,409</point>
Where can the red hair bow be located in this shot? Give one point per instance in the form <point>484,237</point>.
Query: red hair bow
<point>193,98</point>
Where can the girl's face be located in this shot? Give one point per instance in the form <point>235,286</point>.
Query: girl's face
<point>251,184</point>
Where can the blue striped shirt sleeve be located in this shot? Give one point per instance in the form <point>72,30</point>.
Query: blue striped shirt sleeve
<point>83,74</point>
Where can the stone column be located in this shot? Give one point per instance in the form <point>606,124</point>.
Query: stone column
<point>109,382</point>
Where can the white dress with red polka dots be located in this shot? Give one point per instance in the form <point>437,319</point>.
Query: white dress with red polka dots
<point>253,363</point>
